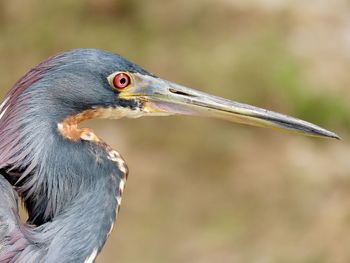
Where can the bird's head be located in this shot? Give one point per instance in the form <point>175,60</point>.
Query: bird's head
<point>89,83</point>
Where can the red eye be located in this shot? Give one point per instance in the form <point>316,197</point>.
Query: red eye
<point>121,80</point>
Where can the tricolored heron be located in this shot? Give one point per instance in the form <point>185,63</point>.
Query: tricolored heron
<point>71,181</point>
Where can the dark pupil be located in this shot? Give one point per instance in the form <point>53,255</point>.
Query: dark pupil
<point>122,81</point>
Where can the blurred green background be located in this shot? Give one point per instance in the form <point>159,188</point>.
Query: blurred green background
<point>203,190</point>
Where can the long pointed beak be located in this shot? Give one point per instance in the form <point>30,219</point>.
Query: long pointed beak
<point>161,97</point>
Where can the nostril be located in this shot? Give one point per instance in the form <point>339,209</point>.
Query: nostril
<point>180,93</point>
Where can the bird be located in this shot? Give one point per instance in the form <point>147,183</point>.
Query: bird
<point>70,180</point>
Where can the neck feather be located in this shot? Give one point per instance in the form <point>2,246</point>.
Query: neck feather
<point>71,188</point>
<point>78,230</point>
<point>78,233</point>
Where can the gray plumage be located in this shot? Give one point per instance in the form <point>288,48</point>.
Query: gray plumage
<point>70,181</point>
<point>70,189</point>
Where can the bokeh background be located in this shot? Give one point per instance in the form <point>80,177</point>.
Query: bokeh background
<point>203,190</point>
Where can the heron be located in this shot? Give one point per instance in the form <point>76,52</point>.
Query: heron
<point>70,180</point>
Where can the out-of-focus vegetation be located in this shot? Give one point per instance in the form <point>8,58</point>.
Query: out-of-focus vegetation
<point>202,190</point>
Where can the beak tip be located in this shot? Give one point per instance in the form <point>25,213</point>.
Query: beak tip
<point>331,135</point>
<point>336,136</point>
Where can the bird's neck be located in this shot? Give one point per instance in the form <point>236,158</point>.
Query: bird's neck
<point>82,207</point>
<point>71,186</point>
<point>76,235</point>
<point>72,195</point>
<point>80,230</point>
